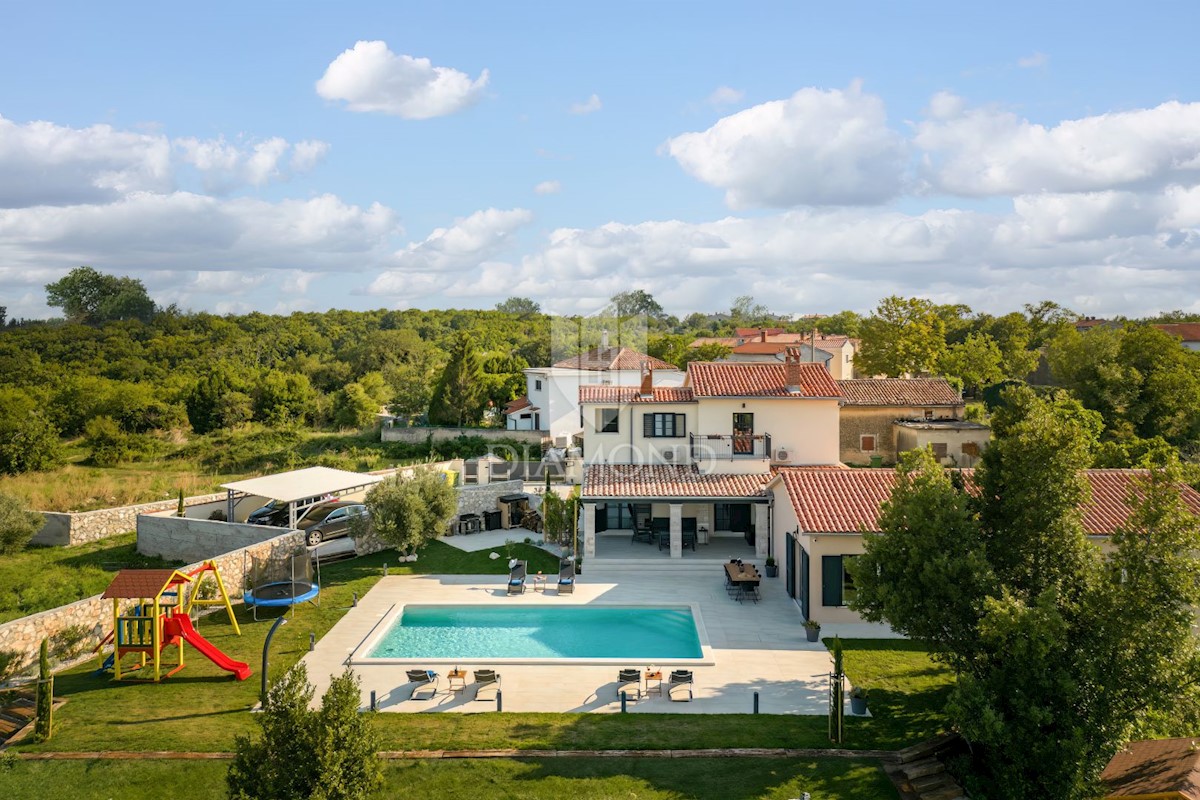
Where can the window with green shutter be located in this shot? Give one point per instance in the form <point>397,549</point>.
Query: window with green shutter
<point>664,426</point>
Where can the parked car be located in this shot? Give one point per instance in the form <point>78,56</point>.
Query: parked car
<point>330,520</point>
<point>274,513</point>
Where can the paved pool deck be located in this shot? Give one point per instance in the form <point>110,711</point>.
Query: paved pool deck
<point>752,647</point>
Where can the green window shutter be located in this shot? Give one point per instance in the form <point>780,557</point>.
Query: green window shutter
<point>647,425</point>
<point>831,580</point>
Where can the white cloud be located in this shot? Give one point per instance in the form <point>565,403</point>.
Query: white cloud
<point>725,96</point>
<point>370,77</point>
<point>41,162</point>
<point>1033,60</point>
<point>987,151</point>
<point>589,106</point>
<point>308,154</point>
<point>817,147</point>
<point>466,244</point>
<point>548,187</point>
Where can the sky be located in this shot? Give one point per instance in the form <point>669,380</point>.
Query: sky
<point>277,157</point>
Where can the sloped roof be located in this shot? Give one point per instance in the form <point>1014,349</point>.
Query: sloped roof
<point>139,583</point>
<point>521,403</point>
<point>899,392</point>
<point>636,481</point>
<point>1188,331</point>
<point>847,501</point>
<point>633,394</point>
<point>728,341</point>
<point>770,348</point>
<point>1155,768</point>
<point>605,358</point>
<point>713,379</point>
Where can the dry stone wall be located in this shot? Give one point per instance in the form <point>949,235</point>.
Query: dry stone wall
<point>183,539</point>
<point>79,527</point>
<point>25,635</point>
<point>417,435</point>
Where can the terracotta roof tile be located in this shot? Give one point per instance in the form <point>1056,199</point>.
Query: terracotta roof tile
<point>1155,767</point>
<point>728,341</point>
<point>519,404</point>
<point>603,481</point>
<point>1188,331</point>
<point>767,348</point>
<point>899,392</point>
<point>605,358</point>
<point>137,583</point>
<point>847,501</point>
<point>711,379</point>
<point>632,394</point>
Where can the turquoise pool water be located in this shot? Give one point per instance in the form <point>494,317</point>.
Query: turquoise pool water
<point>489,632</point>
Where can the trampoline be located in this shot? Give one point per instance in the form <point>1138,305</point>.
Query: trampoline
<point>281,582</point>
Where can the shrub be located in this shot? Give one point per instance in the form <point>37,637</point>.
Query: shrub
<point>17,526</point>
<point>11,663</point>
<point>69,643</point>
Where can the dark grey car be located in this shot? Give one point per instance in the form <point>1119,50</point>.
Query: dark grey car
<point>330,520</point>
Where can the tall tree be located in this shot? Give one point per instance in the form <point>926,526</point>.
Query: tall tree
<point>1060,653</point>
<point>847,323</point>
<point>28,441</point>
<point>17,526</point>
<point>636,302</point>
<point>974,362</point>
<point>519,305</point>
<point>92,297</point>
<point>459,398</point>
<point>905,335</point>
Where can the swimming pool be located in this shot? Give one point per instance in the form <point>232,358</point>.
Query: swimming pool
<point>595,634</point>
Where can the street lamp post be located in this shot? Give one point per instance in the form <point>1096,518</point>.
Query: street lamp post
<point>280,620</point>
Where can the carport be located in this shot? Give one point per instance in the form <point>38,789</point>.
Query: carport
<point>301,489</point>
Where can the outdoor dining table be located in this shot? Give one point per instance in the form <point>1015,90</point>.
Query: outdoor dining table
<point>744,579</point>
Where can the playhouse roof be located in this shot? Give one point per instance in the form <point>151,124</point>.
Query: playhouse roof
<point>138,583</point>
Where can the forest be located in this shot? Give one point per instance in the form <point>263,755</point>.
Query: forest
<point>118,382</point>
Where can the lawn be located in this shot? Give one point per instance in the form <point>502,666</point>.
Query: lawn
<point>202,708</point>
<point>40,578</point>
<point>553,779</point>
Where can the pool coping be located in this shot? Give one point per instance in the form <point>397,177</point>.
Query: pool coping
<point>359,658</point>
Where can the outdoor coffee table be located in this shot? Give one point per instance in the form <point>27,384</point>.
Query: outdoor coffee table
<point>539,583</point>
<point>456,679</point>
<point>656,686</point>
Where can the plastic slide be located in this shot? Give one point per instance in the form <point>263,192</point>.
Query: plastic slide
<point>240,670</point>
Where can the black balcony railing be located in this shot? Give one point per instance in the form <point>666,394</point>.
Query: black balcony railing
<point>715,447</point>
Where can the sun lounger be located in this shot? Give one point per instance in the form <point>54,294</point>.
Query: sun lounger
<point>487,684</point>
<point>679,687</point>
<point>629,682</point>
<point>566,577</point>
<point>426,681</point>
<point>516,578</point>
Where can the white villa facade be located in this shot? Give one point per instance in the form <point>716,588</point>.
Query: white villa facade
<point>551,401</point>
<point>681,466</point>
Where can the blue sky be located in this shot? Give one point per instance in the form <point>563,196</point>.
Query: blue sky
<point>275,157</point>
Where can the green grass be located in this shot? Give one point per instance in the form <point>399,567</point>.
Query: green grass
<point>201,708</point>
<point>553,779</point>
<point>41,578</point>
<point>907,690</point>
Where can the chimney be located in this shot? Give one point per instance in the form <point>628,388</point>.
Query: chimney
<point>762,335</point>
<point>647,390</point>
<point>792,370</point>
<point>814,345</point>
<point>604,339</point>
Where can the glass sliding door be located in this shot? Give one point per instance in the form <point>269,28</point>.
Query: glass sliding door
<point>743,434</point>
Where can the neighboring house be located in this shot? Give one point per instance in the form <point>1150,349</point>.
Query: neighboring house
<point>1085,324</point>
<point>696,459</point>
<point>1154,768</point>
<point>1189,332</point>
<point>767,344</point>
<point>551,401</point>
<point>820,516</point>
<point>954,442</point>
<point>873,405</point>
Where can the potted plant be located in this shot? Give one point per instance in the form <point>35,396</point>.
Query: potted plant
<point>771,567</point>
<point>858,701</point>
<point>813,629</point>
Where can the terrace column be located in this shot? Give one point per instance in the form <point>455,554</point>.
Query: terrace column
<point>762,525</point>
<point>589,530</point>
<point>704,520</point>
<point>676,530</point>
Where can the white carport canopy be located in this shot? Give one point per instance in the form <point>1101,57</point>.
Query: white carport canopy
<point>300,488</point>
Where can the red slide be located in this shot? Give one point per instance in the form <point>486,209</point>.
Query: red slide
<point>190,635</point>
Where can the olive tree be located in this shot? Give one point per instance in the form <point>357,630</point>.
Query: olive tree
<point>407,512</point>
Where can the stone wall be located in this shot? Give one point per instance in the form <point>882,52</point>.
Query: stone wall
<point>25,635</point>
<point>183,539</point>
<point>78,527</point>
<point>477,499</point>
<point>418,435</point>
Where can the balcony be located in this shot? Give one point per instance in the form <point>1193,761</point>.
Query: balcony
<point>715,447</point>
